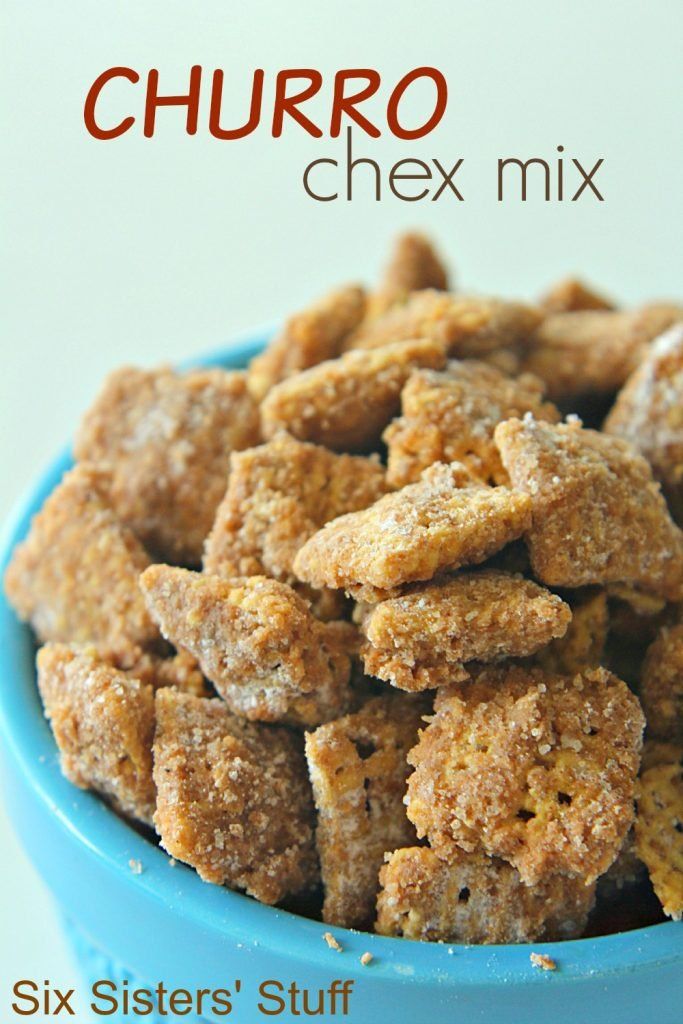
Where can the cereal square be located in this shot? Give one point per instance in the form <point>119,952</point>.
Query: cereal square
<point>537,769</point>
<point>167,439</point>
<point>597,514</point>
<point>233,798</point>
<point>346,403</point>
<point>278,496</point>
<point>103,724</point>
<point>593,351</point>
<point>661,685</point>
<point>413,266</point>
<point>425,638</point>
<point>465,326</point>
<point>444,521</point>
<point>472,898</point>
<point>649,413</point>
<point>340,691</point>
<point>659,834</point>
<point>308,338</point>
<point>254,638</point>
<point>572,295</point>
<point>450,417</point>
<point>358,770</point>
<point>75,577</point>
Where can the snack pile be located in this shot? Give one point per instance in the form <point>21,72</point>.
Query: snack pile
<point>377,626</point>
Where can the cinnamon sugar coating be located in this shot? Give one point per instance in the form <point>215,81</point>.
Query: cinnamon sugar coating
<point>465,326</point>
<point>425,638</point>
<point>103,723</point>
<point>358,770</point>
<point>75,577</point>
<point>233,798</point>
<point>536,769</point>
<point>346,403</point>
<point>597,514</point>
<point>338,692</point>
<point>278,496</point>
<point>593,351</point>
<point>450,417</point>
<point>661,685</point>
<point>167,438</point>
<point>414,265</point>
<point>659,833</point>
<point>440,523</point>
<point>179,669</point>
<point>254,638</point>
<point>472,898</point>
<point>648,412</point>
<point>309,337</point>
<point>571,295</point>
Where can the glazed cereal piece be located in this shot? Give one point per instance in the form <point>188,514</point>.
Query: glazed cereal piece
<point>75,577</point>
<point>597,514</point>
<point>466,326</point>
<point>346,403</point>
<point>661,685</point>
<point>414,265</point>
<point>473,898</point>
<point>167,438</point>
<point>254,638</point>
<point>583,644</point>
<point>649,413</point>
<point>659,834</point>
<point>442,522</point>
<point>537,769</point>
<point>233,799</point>
<point>103,723</point>
<point>426,637</point>
<point>358,770</point>
<point>571,295</point>
<point>451,416</point>
<point>593,351</point>
<point>308,338</point>
<point>278,496</point>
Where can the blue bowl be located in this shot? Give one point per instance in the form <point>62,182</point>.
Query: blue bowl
<point>166,925</point>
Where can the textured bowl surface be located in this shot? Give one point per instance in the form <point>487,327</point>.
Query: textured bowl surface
<point>166,925</point>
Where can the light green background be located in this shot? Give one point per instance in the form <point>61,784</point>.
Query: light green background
<point>148,250</point>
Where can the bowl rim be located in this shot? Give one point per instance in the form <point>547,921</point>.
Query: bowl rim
<point>92,824</point>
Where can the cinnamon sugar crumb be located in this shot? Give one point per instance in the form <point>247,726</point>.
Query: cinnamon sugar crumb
<point>542,960</point>
<point>332,942</point>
